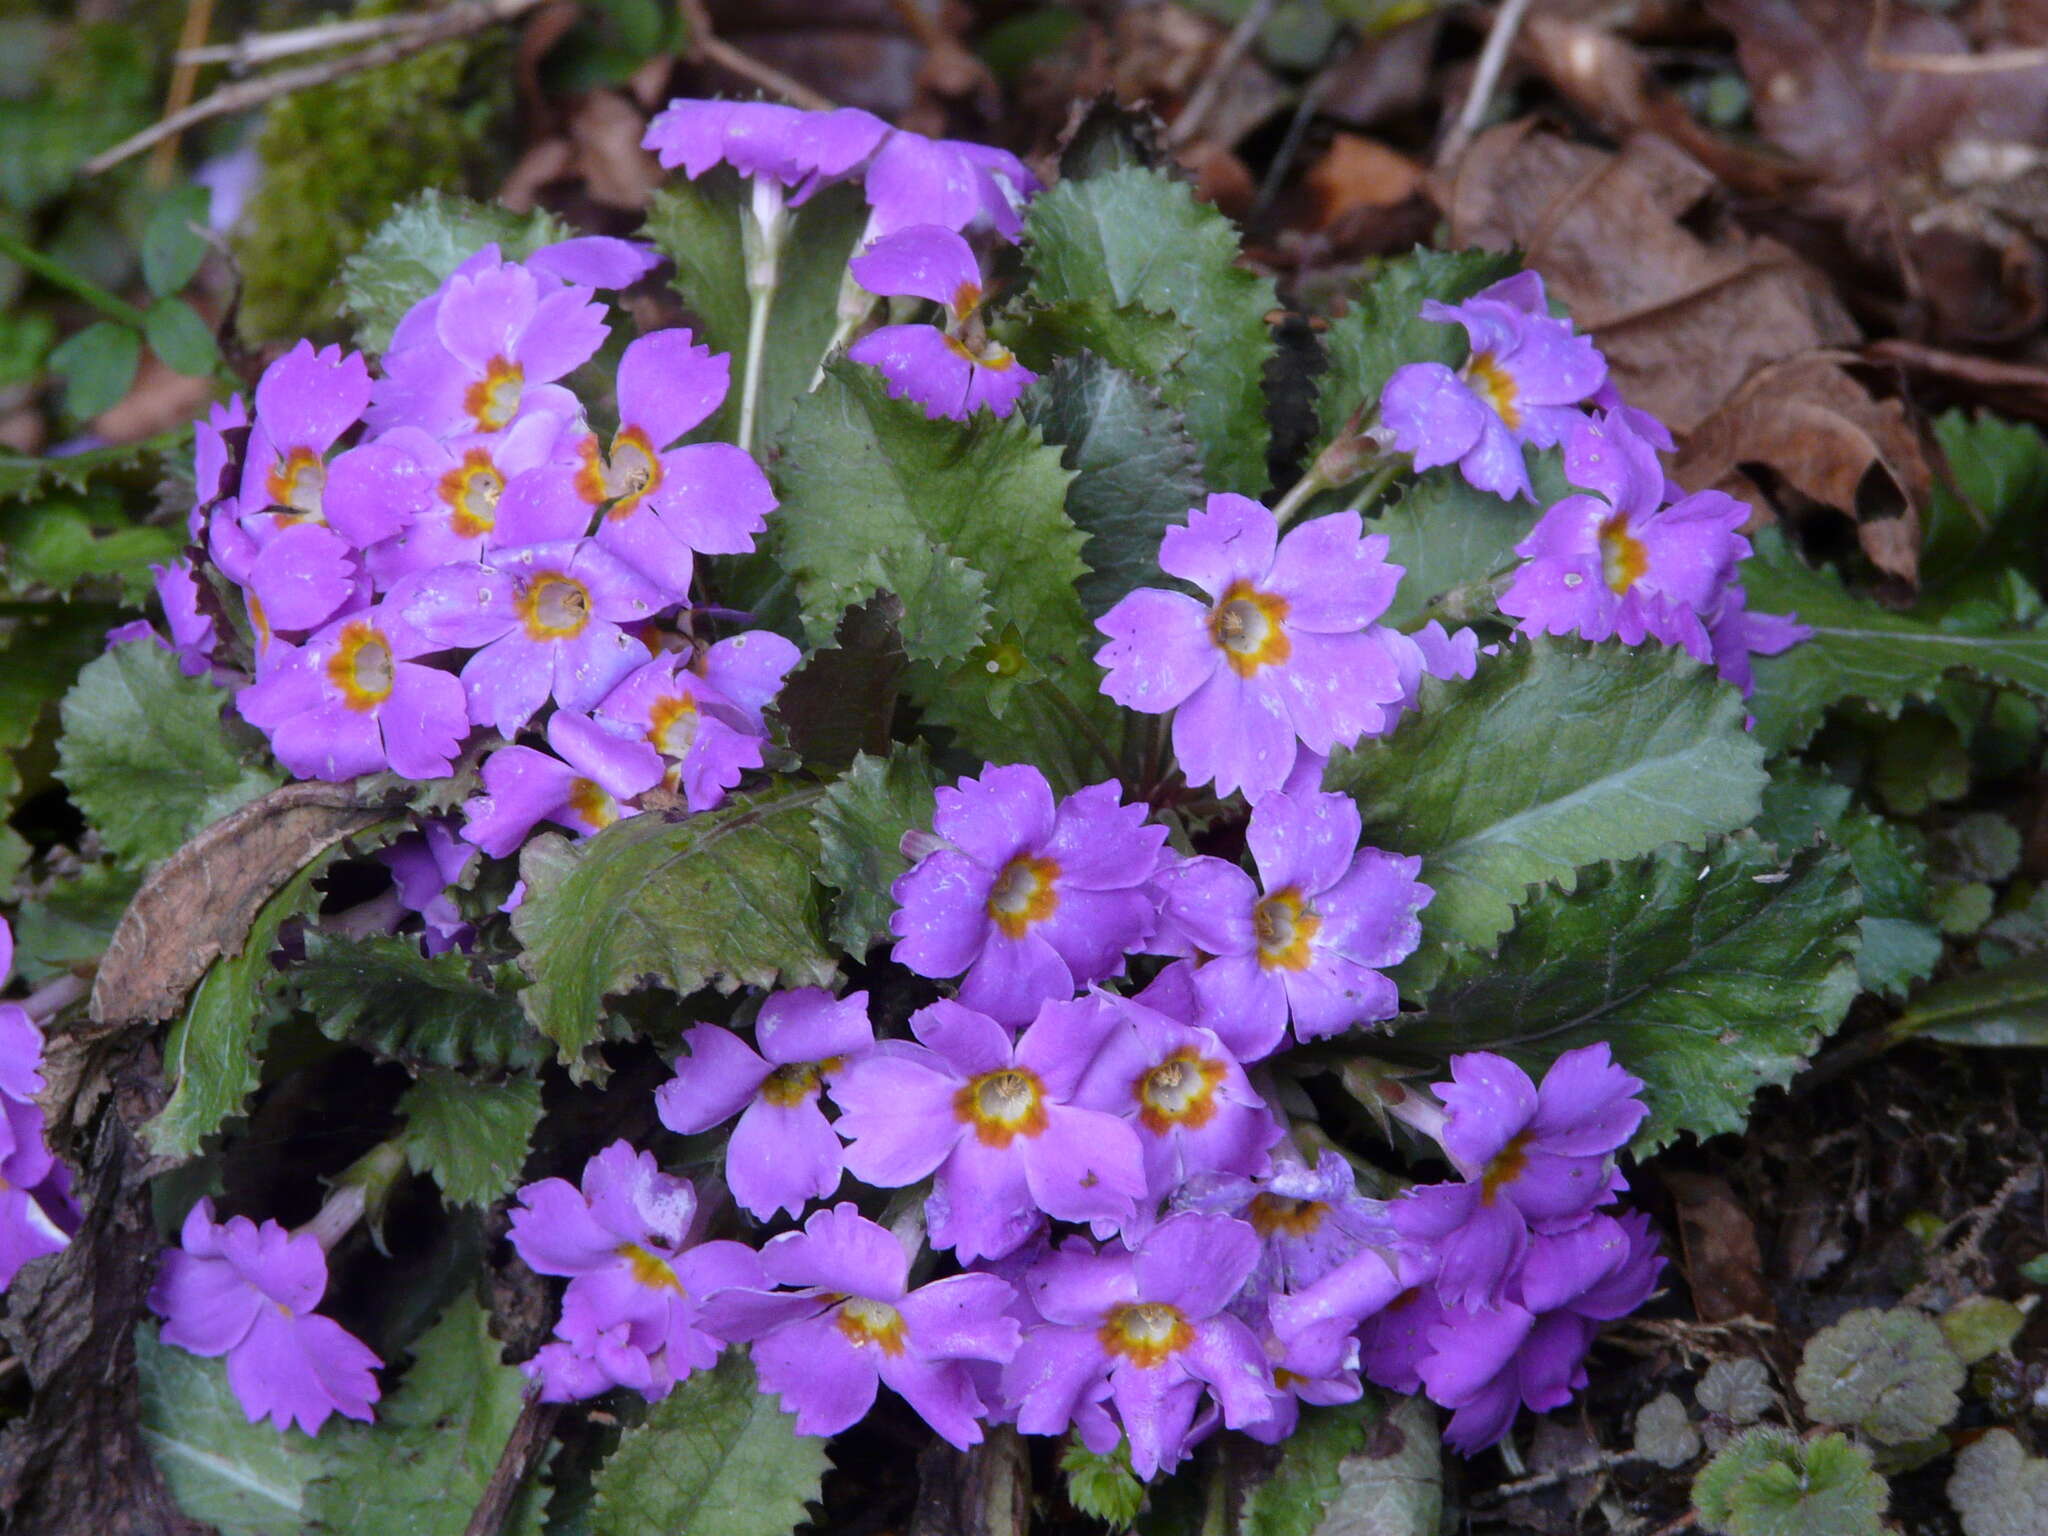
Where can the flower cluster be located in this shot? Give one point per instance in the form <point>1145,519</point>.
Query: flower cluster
<point>37,1215</point>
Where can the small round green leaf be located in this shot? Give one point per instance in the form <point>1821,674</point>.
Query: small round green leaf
<point>173,242</point>
<point>183,340</point>
<point>97,366</point>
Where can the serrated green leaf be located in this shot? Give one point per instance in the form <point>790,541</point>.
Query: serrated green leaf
<point>384,994</point>
<point>724,898</point>
<point>1444,534</point>
<point>69,921</point>
<point>97,366</point>
<point>1384,328</point>
<point>470,1136</point>
<point>1997,1488</point>
<point>876,497</point>
<point>1136,470</point>
<point>422,1467</point>
<point>1770,1483</point>
<point>1862,651</point>
<point>181,339</point>
<point>1103,1487</point>
<point>1551,757</point>
<point>55,544</point>
<point>23,478</point>
<point>1888,1373</point>
<point>696,224</point>
<point>1130,266</point>
<point>1992,513</point>
<point>1711,975</point>
<point>414,250</point>
<point>1335,1469</point>
<point>174,242</point>
<point>859,823</point>
<point>244,1479</point>
<point>2003,1007</point>
<point>716,1457</point>
<point>145,755</point>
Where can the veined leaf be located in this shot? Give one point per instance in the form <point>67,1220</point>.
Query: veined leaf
<point>384,994</point>
<point>2007,1006</point>
<point>859,822</point>
<point>1444,533</point>
<point>470,1136</point>
<point>413,252</point>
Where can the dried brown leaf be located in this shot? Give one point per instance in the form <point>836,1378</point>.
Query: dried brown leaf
<point>1723,1265</point>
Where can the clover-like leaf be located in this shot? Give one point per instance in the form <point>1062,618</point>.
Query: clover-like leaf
<point>1739,1390</point>
<point>1889,1374</point>
<point>1664,1432</point>
<point>1998,1489</point>
<point>1771,1483</point>
<point>1103,1487</point>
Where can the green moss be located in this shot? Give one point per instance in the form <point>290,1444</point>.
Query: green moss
<point>336,160</point>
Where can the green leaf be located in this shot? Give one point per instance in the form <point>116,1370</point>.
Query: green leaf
<point>145,755</point>
<point>1710,975</point>
<point>1862,651</point>
<point>1888,1373</point>
<point>214,1050</point>
<point>1445,534</point>
<point>97,366</point>
<point>69,921</point>
<point>1384,328</point>
<point>422,1467</point>
<point>181,339</point>
<point>1771,1483</point>
<point>23,478</point>
<point>859,823</point>
<point>245,1479</point>
<point>696,224</point>
<point>1991,513</point>
<point>1137,472</point>
<point>414,250</point>
<point>383,994</point>
<point>1549,758</point>
<point>56,544</point>
<point>716,1457</point>
<point>1130,266</point>
<point>174,243</point>
<point>1997,1488</point>
<point>2003,1007</point>
<point>1359,1467</point>
<point>723,898</point>
<point>952,518</point>
<point>470,1136</point>
<point>1103,1487</point>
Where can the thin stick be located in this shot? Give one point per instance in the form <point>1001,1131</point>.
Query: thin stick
<point>1493,58</point>
<point>707,45</point>
<point>529,1437</point>
<point>266,47</point>
<point>454,21</point>
<point>1210,91</point>
<point>1999,61</point>
<point>198,22</point>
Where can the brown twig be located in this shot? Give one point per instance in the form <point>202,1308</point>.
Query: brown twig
<point>530,1432</point>
<point>1999,61</point>
<point>706,45</point>
<point>1607,1461</point>
<point>457,20</point>
<point>1493,58</point>
<point>1195,115</point>
<point>184,77</point>
<point>266,47</point>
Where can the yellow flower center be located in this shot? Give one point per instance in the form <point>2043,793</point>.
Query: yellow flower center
<point>593,804</point>
<point>1272,1214</point>
<point>872,1322</point>
<point>1247,626</point>
<point>1285,927</point>
<point>1504,1169</point>
<point>1181,1090</point>
<point>632,473</point>
<point>1024,894</point>
<point>471,491</point>
<point>1496,386</point>
<point>672,724</point>
<point>649,1269</point>
<point>554,607</point>
<point>361,667</point>
<point>493,399</point>
<point>1146,1333</point>
<point>1623,559</point>
<point>791,1085</point>
<point>1002,1105</point>
<point>298,481</point>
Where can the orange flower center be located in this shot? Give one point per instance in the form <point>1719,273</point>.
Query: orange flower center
<point>992,355</point>
<point>592,804</point>
<point>1496,386</point>
<point>632,473</point>
<point>493,399</point>
<point>649,1269</point>
<point>361,667</point>
<point>1285,927</point>
<point>554,607</point>
<point>1623,559</point>
<point>1506,1167</point>
<point>1024,894</point>
<point>1247,627</point>
<point>872,1322</point>
<point>297,481</point>
<point>471,490</point>
<point>1146,1333</point>
<point>966,300</point>
<point>791,1085</point>
<point>1181,1090</point>
<point>1272,1214</point>
<point>673,724</point>
<point>1002,1105</point>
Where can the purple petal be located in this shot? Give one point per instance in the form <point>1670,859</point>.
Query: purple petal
<point>928,261</point>
<point>1087,1166</point>
<point>207,1308</point>
<point>810,1024</point>
<point>963,1317</point>
<point>1490,1101</point>
<point>1197,1263</point>
<point>942,1392</point>
<point>842,1252</point>
<point>782,1157</point>
<point>595,261</point>
<point>1235,732</point>
<point>1304,844</point>
<point>668,384</point>
<point>716,1080</point>
<point>713,497</point>
<point>823,1378</point>
<point>1335,580</point>
<point>1229,539</point>
<point>1586,1104</point>
<point>1159,650</point>
<point>301,1370</point>
<point>898,1115</point>
<point>1432,413</point>
<point>919,363</point>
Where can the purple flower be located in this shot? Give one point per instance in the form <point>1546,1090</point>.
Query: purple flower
<point>1177,1086</point>
<point>248,1292</point>
<point>1621,562</point>
<point>425,866</point>
<point>586,793</point>
<point>1384,1294</point>
<point>1030,899</point>
<point>352,701</point>
<point>1530,1352</point>
<point>631,1314</point>
<point>1149,1325</point>
<point>1526,375</point>
<point>705,717</point>
<point>214,457</point>
<point>763,139</point>
<point>968,187</point>
<point>782,1154</point>
<point>192,633</point>
<point>37,1215</point>
<point>1308,947</point>
<point>547,617</point>
<point>1530,1157</point>
<point>854,1323</point>
<point>995,1120</point>
<point>1736,635</point>
<point>1282,652</point>
<point>595,261</point>
<point>1316,1363</point>
<point>951,372</point>
<point>1431,651</point>
<point>1310,1220</point>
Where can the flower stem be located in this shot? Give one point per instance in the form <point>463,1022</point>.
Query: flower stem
<point>15,249</point>
<point>750,385</point>
<point>1308,486</point>
<point>1068,711</point>
<point>762,229</point>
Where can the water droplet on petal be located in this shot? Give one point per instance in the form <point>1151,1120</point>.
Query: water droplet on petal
<point>1572,578</point>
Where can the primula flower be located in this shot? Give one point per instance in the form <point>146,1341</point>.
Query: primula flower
<point>631,1314</point>
<point>248,1292</point>
<point>547,617</point>
<point>951,372</point>
<point>591,261</point>
<point>798,149</point>
<point>1281,653</point>
<point>1309,946</point>
<point>352,701</point>
<point>949,182</point>
<point>705,717</point>
<point>217,445</point>
<point>425,866</point>
<point>1736,635</point>
<point>1530,1351</point>
<point>1151,1325</point>
<point>1178,1087</point>
<point>1523,382</point>
<point>855,1324</point>
<point>1540,1158</point>
<point>782,1154</point>
<point>192,633</point>
<point>1621,562</point>
<point>1310,1220</point>
<point>995,1121</point>
<point>1029,898</point>
<point>1316,1364</point>
<point>37,1215</point>
<point>1384,1294</point>
<point>586,789</point>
